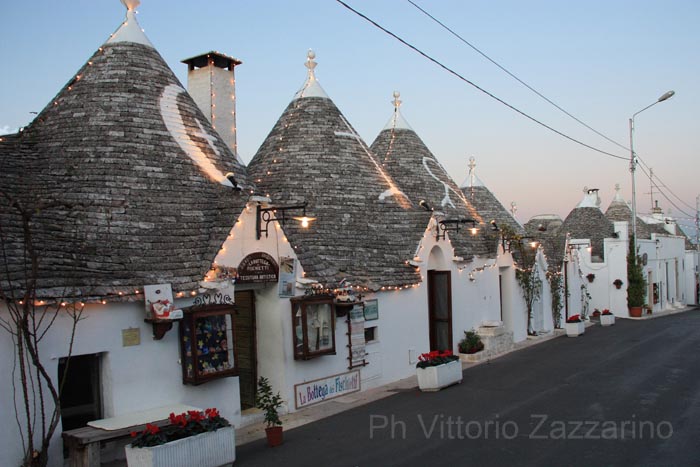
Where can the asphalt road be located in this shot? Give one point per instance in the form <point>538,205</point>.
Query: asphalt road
<point>627,395</point>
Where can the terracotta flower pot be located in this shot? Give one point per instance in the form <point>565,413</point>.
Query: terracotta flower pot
<point>635,311</point>
<point>274,436</point>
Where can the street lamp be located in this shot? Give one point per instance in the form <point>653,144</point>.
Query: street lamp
<point>633,165</point>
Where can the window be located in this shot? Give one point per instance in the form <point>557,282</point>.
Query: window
<point>370,334</point>
<point>313,320</point>
<point>206,344</point>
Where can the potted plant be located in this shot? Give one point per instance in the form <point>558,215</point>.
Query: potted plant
<point>270,403</point>
<point>618,283</point>
<point>590,277</point>
<point>636,284</point>
<point>204,439</point>
<point>438,369</point>
<point>471,344</point>
<point>574,326</point>
<point>607,318</point>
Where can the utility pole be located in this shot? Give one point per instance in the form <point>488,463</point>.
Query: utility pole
<point>651,188</point>
<point>697,249</point>
<point>633,165</point>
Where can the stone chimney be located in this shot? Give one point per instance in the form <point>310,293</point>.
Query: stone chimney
<point>212,84</point>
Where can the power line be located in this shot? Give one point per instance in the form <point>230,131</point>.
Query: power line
<point>515,77</point>
<point>667,198</point>
<point>451,71</point>
<point>664,185</point>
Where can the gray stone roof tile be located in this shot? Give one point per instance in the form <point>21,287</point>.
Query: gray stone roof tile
<point>136,209</point>
<point>362,233</point>
<point>419,174</point>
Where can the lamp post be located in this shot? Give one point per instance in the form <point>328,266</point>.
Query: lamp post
<point>633,165</point>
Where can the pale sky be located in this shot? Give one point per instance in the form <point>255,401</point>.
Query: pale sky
<point>600,60</point>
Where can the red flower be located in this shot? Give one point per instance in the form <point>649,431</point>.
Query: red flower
<point>195,416</point>
<point>134,434</point>
<point>574,319</point>
<point>152,429</point>
<point>211,413</point>
<point>180,420</point>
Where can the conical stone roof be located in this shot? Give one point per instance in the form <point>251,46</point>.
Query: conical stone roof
<point>544,228</point>
<point>130,174</point>
<point>619,211</point>
<point>366,228</point>
<point>588,221</point>
<point>419,174</point>
<point>486,202</point>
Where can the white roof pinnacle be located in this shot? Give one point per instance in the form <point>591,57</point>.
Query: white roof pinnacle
<point>590,198</point>
<point>618,197</point>
<point>311,87</point>
<point>397,121</point>
<point>130,30</point>
<point>472,180</point>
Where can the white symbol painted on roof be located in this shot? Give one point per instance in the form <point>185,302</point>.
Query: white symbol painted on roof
<point>173,119</point>
<point>446,200</point>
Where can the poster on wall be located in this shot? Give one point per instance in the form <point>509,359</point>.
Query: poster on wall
<point>160,303</point>
<point>319,390</point>
<point>287,276</point>
<point>371,310</point>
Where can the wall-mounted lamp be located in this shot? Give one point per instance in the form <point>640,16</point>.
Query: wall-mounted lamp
<point>424,204</point>
<point>494,226</point>
<point>270,214</point>
<point>452,225</point>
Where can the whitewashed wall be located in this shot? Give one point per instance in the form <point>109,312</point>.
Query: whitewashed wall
<point>543,306</point>
<point>403,324</point>
<point>666,255</point>
<point>133,378</point>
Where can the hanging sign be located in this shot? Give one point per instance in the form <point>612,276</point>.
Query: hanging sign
<point>313,392</point>
<point>160,303</point>
<point>287,276</point>
<point>257,268</point>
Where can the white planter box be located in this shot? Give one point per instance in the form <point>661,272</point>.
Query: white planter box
<point>575,329</point>
<point>211,449</point>
<point>435,378</point>
<point>472,357</point>
<point>607,320</point>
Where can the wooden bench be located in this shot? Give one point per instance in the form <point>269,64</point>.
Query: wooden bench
<point>84,443</point>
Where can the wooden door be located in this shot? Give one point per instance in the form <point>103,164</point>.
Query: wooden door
<point>245,343</point>
<point>440,309</point>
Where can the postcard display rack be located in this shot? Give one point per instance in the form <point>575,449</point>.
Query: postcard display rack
<point>206,343</point>
<point>356,335</point>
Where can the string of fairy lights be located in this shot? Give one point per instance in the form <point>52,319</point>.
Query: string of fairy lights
<point>276,162</point>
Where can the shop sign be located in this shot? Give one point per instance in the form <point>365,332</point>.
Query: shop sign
<point>257,268</point>
<point>313,392</point>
